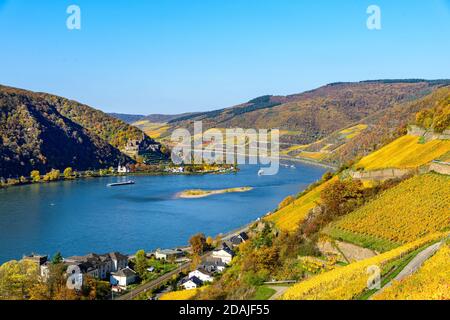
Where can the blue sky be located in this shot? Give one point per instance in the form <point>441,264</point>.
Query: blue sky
<point>172,56</point>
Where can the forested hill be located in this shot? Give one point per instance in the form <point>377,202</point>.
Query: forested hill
<point>314,114</point>
<point>42,131</point>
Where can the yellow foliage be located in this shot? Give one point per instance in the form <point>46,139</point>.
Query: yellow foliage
<point>347,282</point>
<point>180,295</point>
<point>431,282</point>
<point>289,217</point>
<point>353,131</point>
<point>404,153</point>
<point>408,211</point>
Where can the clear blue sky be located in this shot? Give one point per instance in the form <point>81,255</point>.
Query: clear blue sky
<point>171,56</point>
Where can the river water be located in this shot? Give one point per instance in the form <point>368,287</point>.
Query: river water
<point>83,216</point>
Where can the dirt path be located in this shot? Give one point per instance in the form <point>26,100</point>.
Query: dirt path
<point>279,291</point>
<point>412,266</point>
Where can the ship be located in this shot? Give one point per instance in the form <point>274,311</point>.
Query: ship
<point>118,184</point>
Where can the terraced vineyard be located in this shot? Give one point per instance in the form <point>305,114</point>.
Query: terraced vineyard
<point>431,282</point>
<point>348,282</point>
<point>180,295</point>
<point>404,153</point>
<point>412,209</point>
<point>289,217</point>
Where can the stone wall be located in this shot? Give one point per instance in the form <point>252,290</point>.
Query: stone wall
<point>428,135</point>
<point>380,175</point>
<point>440,167</point>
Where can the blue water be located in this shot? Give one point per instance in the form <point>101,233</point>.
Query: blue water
<point>85,216</point>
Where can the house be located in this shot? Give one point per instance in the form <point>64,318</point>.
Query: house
<point>238,239</point>
<point>123,169</point>
<point>98,266</point>
<point>42,262</point>
<point>191,283</point>
<point>224,253</point>
<point>123,278</point>
<point>212,265</point>
<point>169,254</point>
<point>38,259</point>
<point>202,274</point>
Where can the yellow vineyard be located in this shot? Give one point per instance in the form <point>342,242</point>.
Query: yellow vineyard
<point>431,282</point>
<point>410,210</point>
<point>289,217</point>
<point>404,153</point>
<point>352,132</point>
<point>348,282</point>
<point>180,295</point>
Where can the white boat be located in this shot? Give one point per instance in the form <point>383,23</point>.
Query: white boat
<point>292,167</point>
<point>260,172</point>
<point>118,184</point>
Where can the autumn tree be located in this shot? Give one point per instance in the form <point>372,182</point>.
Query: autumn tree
<point>17,278</point>
<point>68,173</point>
<point>35,176</point>
<point>198,244</point>
<point>141,264</point>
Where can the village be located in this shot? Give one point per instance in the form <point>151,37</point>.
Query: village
<point>121,271</point>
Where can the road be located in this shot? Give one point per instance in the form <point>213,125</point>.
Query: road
<point>413,265</point>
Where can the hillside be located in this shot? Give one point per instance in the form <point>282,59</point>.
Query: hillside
<point>404,213</point>
<point>405,153</point>
<point>348,282</point>
<point>34,135</point>
<point>313,115</point>
<point>290,217</point>
<point>429,283</point>
<point>128,118</point>
<point>388,125</point>
<point>42,131</point>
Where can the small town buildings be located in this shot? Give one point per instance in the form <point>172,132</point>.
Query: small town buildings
<point>123,278</point>
<point>224,253</point>
<point>169,254</point>
<point>202,274</point>
<point>213,264</point>
<point>99,266</point>
<point>191,283</point>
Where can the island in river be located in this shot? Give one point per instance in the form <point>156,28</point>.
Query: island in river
<point>199,193</point>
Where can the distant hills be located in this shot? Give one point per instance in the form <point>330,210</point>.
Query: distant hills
<point>317,125</point>
<point>39,131</point>
<point>153,118</point>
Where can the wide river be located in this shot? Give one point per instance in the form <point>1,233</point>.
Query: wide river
<point>85,216</point>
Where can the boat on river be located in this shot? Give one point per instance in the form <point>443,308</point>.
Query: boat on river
<point>118,184</point>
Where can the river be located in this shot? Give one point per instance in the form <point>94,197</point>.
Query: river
<point>83,216</point>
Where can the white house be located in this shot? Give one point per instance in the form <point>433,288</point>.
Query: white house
<point>123,278</point>
<point>168,254</point>
<point>123,169</point>
<point>192,283</point>
<point>202,274</point>
<point>225,254</point>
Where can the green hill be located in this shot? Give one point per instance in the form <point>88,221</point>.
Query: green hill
<point>42,131</point>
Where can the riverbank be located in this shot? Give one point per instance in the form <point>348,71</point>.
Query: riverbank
<point>81,175</point>
<point>199,193</point>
